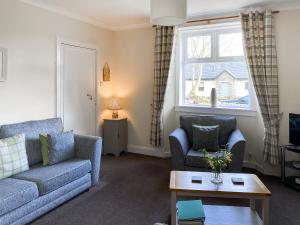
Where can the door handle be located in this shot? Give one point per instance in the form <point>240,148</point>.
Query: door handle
<point>90,96</point>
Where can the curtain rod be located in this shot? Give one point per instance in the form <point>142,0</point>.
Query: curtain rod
<point>222,18</point>
<point>219,18</point>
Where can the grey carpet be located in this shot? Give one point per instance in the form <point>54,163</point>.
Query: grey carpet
<point>134,191</point>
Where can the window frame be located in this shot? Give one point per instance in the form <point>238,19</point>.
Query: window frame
<point>182,60</point>
<point>201,86</point>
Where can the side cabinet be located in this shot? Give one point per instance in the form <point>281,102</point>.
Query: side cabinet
<point>115,136</point>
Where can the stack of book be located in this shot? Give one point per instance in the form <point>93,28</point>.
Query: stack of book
<point>190,212</point>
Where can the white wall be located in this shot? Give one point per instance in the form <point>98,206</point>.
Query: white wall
<point>134,65</point>
<point>133,79</point>
<point>288,50</point>
<point>30,35</point>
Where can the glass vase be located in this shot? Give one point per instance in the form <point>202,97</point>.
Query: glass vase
<point>216,177</point>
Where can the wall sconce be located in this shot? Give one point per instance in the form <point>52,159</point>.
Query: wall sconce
<point>106,72</point>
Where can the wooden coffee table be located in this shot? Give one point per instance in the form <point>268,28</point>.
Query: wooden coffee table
<point>253,189</point>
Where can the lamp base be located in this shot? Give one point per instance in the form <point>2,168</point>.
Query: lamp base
<point>115,115</point>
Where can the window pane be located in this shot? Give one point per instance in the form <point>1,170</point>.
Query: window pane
<point>197,90</point>
<point>231,44</point>
<point>199,47</point>
<point>227,77</point>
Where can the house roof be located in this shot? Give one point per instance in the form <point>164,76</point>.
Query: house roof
<point>211,71</point>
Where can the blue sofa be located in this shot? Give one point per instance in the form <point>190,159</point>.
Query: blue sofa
<point>30,194</point>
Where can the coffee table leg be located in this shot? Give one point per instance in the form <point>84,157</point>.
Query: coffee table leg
<point>265,211</point>
<point>173,208</point>
<point>252,203</point>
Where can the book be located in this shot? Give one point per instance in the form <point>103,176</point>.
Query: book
<point>237,181</point>
<point>190,210</point>
<point>197,179</point>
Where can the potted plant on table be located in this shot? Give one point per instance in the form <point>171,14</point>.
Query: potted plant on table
<point>217,162</point>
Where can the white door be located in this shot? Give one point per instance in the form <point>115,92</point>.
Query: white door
<point>78,88</point>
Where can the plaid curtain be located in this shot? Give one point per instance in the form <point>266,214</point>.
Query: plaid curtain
<point>260,48</point>
<point>163,50</point>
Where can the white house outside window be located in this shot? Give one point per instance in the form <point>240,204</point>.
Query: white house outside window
<point>212,56</point>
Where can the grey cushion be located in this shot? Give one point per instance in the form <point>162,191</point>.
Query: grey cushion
<point>61,147</point>
<point>227,125</point>
<point>15,193</point>
<point>196,158</point>
<point>50,178</point>
<point>206,137</point>
<point>32,129</point>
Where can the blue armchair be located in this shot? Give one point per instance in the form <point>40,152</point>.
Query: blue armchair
<point>181,142</point>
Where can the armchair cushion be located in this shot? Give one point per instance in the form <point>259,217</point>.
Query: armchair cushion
<point>206,137</point>
<point>227,125</point>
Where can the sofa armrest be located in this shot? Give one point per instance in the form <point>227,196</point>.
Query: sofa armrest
<point>236,145</point>
<point>179,146</point>
<point>90,147</point>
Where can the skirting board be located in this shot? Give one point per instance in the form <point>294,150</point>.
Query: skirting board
<point>143,150</point>
<point>253,165</point>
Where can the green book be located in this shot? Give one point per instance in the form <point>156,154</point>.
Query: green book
<point>190,210</point>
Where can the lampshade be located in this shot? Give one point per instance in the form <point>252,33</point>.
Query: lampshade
<point>168,12</point>
<point>114,104</point>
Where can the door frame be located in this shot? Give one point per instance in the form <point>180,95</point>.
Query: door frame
<point>59,76</point>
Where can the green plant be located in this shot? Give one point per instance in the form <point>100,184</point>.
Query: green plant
<point>218,162</point>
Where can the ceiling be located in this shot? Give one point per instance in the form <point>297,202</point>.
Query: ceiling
<point>122,14</point>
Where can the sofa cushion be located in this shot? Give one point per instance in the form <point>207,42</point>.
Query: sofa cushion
<point>50,178</point>
<point>44,149</point>
<point>32,129</point>
<point>206,137</point>
<point>15,193</point>
<point>61,147</point>
<point>227,124</point>
<point>13,158</point>
<point>196,158</point>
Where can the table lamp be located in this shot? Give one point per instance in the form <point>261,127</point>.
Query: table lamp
<point>114,105</point>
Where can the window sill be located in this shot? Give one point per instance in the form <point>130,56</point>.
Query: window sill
<point>217,111</point>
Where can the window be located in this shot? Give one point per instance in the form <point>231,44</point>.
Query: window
<point>213,55</point>
<point>246,86</point>
<point>201,86</point>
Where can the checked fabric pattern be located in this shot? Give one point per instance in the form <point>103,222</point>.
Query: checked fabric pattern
<point>163,50</point>
<point>260,48</point>
<point>13,157</point>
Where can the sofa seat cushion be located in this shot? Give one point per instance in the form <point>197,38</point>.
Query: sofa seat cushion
<point>50,178</point>
<point>15,193</point>
<point>196,158</point>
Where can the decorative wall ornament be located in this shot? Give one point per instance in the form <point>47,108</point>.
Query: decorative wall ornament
<point>106,72</point>
<point>3,64</point>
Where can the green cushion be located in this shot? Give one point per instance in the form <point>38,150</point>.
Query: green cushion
<point>13,157</point>
<point>44,148</point>
<point>190,210</point>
